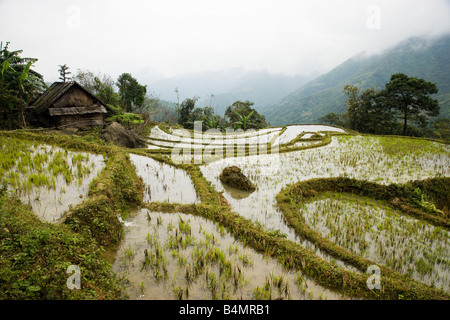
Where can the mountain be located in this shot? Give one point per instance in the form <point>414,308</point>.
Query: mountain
<point>221,88</point>
<point>428,59</point>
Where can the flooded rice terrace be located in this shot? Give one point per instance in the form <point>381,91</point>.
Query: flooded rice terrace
<point>379,233</point>
<point>178,256</point>
<point>354,157</point>
<point>48,178</point>
<point>164,260</point>
<point>163,182</point>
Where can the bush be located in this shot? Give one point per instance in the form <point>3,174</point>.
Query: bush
<point>126,119</point>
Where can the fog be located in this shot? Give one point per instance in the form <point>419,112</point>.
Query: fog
<point>163,39</point>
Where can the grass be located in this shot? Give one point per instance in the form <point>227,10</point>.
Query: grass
<point>87,230</point>
<point>316,268</point>
<point>377,232</point>
<point>118,190</point>
<point>292,199</point>
<point>49,178</point>
<point>34,257</point>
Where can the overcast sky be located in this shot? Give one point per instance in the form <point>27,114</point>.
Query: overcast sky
<point>172,37</point>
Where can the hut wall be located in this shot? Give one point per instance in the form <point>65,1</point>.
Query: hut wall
<point>80,121</point>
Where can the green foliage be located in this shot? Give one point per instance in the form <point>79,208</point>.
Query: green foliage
<point>442,129</point>
<point>131,93</point>
<point>34,257</point>
<point>240,112</point>
<point>243,120</point>
<point>410,98</point>
<point>367,112</point>
<point>376,111</point>
<point>126,119</point>
<point>415,57</point>
<point>185,117</point>
<point>64,73</point>
<point>19,85</point>
<point>105,92</point>
<point>206,115</point>
<point>101,85</point>
<point>334,119</point>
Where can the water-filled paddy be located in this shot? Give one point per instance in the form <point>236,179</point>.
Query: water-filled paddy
<point>377,159</point>
<point>48,178</point>
<point>356,157</point>
<point>178,256</point>
<point>163,182</point>
<point>377,232</point>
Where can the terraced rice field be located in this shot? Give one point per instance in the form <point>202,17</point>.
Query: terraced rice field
<point>383,160</point>
<point>48,178</point>
<point>196,238</point>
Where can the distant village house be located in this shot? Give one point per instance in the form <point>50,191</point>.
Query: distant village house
<point>68,105</point>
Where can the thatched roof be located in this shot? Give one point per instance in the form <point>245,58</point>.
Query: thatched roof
<point>77,110</point>
<point>56,91</point>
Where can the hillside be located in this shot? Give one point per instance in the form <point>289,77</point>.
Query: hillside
<point>227,86</point>
<point>426,59</point>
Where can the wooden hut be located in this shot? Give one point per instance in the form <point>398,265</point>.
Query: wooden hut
<point>68,104</point>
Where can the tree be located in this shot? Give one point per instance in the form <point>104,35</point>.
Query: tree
<point>184,113</point>
<point>240,108</point>
<point>131,93</point>
<point>243,120</point>
<point>334,119</point>
<point>86,79</point>
<point>410,98</point>
<point>19,85</point>
<point>64,73</point>
<point>101,85</point>
<point>367,111</point>
<point>207,116</point>
<point>213,122</point>
<point>105,92</point>
<point>442,128</point>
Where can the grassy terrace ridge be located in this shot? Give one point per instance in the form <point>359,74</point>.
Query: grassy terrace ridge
<point>401,197</point>
<point>35,254</point>
<point>246,150</point>
<point>291,255</point>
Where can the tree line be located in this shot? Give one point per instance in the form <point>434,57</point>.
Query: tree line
<point>129,100</point>
<point>404,107</point>
<point>20,85</point>
<point>239,115</point>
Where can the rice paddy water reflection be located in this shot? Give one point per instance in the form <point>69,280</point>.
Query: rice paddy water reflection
<point>48,178</point>
<point>178,256</point>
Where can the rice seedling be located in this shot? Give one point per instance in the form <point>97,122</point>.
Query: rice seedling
<point>42,176</point>
<point>214,266</point>
<point>163,182</point>
<point>360,157</point>
<point>381,234</point>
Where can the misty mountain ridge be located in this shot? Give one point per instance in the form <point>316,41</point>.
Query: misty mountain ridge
<point>428,59</point>
<point>222,88</point>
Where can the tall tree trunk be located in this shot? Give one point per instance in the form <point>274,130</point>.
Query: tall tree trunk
<point>405,122</point>
<point>22,115</point>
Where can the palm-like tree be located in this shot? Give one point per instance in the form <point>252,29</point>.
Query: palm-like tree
<point>18,82</point>
<point>64,73</point>
<point>212,122</point>
<point>243,120</point>
<point>12,62</point>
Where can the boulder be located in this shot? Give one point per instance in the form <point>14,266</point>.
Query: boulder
<point>233,177</point>
<point>121,137</point>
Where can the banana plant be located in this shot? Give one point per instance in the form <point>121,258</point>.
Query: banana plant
<point>212,122</point>
<point>243,120</point>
